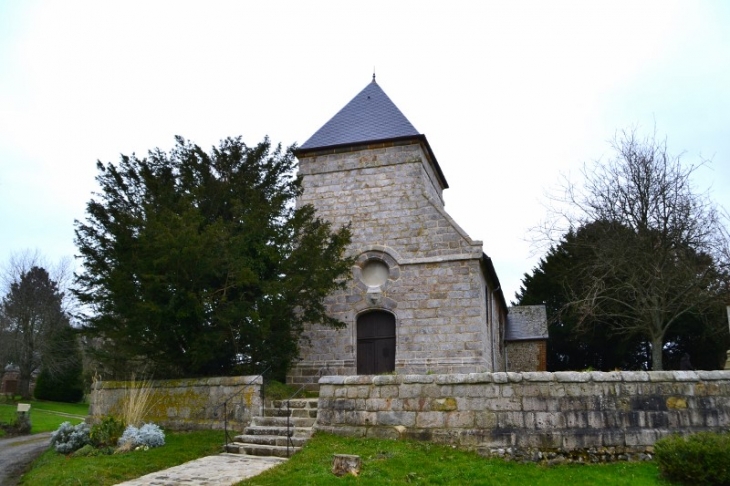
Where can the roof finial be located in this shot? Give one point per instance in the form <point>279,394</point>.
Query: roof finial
<point>373,74</point>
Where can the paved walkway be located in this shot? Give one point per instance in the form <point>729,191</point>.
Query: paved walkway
<point>16,454</point>
<point>220,470</point>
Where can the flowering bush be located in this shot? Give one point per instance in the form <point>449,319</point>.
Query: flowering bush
<point>68,438</point>
<point>149,435</point>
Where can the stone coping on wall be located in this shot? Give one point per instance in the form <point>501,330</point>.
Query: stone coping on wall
<point>183,382</point>
<point>531,376</point>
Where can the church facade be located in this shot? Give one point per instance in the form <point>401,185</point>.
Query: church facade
<point>423,296</point>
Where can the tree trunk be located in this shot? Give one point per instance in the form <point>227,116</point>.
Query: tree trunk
<point>657,348</point>
<point>24,387</point>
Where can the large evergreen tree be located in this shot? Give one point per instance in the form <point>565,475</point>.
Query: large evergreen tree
<point>202,264</point>
<point>61,376</point>
<point>578,342</point>
<point>31,317</point>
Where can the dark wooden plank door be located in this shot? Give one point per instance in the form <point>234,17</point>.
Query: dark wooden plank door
<point>375,343</point>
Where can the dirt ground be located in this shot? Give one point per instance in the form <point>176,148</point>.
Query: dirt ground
<point>16,454</point>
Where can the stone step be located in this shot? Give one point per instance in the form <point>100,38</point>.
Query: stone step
<point>281,431</point>
<point>267,435</point>
<point>310,403</point>
<point>260,450</point>
<point>282,422</point>
<point>294,412</point>
<point>273,440</point>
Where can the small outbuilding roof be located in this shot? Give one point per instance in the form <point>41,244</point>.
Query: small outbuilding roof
<point>526,322</point>
<point>370,115</point>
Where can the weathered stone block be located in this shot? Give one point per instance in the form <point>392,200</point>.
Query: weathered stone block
<point>383,433</point>
<point>486,390</point>
<point>413,390</point>
<point>416,404</point>
<point>603,376</point>
<point>531,404</point>
<point>485,419</point>
<point>639,376</point>
<point>446,404</point>
<point>430,420</point>
<point>500,377</point>
<point>407,419</point>
<point>504,404</point>
<point>539,376</point>
<point>389,391</point>
<point>662,376</point>
<point>459,419</point>
<point>406,379</point>
<point>548,420</point>
<point>572,376</point>
<point>514,420</point>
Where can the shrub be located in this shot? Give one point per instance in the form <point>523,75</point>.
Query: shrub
<point>107,432</point>
<point>68,438</point>
<point>87,451</point>
<point>66,387</point>
<point>149,435</point>
<point>702,458</point>
<point>63,382</point>
<point>20,426</point>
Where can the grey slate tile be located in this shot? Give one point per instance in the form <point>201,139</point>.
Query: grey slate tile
<point>369,116</point>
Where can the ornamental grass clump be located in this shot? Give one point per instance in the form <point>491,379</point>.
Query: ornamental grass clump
<point>137,402</point>
<point>68,438</point>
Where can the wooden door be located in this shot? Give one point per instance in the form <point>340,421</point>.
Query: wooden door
<point>375,343</point>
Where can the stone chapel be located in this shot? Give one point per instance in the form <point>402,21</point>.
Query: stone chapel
<point>423,297</point>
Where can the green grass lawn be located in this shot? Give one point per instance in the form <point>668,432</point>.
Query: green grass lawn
<point>384,462</point>
<point>406,463</point>
<point>44,415</point>
<point>56,469</point>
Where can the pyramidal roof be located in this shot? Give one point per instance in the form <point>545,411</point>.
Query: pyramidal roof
<point>369,116</point>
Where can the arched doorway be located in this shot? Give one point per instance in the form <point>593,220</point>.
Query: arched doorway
<point>375,343</point>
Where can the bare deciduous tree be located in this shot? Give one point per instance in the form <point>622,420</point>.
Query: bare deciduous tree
<point>662,257</point>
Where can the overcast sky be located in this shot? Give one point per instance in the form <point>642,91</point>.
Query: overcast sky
<point>510,94</point>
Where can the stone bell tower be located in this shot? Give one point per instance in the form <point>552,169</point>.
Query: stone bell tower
<point>422,296</point>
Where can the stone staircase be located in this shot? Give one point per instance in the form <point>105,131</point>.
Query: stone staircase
<point>267,435</point>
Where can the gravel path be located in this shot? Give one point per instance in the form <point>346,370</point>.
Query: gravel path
<point>16,454</point>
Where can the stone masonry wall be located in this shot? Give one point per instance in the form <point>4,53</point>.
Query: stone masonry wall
<point>526,355</point>
<point>186,404</point>
<point>435,286</point>
<point>596,416</point>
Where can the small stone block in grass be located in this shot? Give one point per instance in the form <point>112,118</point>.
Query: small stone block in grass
<point>346,464</point>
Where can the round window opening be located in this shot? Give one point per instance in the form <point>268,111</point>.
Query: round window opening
<point>375,273</point>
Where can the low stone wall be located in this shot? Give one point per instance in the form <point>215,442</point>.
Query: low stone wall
<point>186,404</point>
<point>592,416</point>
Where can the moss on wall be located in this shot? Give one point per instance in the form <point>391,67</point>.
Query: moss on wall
<point>186,403</point>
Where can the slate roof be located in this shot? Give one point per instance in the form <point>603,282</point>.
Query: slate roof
<point>526,322</point>
<point>369,116</point>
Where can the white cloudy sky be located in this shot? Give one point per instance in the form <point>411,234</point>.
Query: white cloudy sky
<point>509,94</point>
